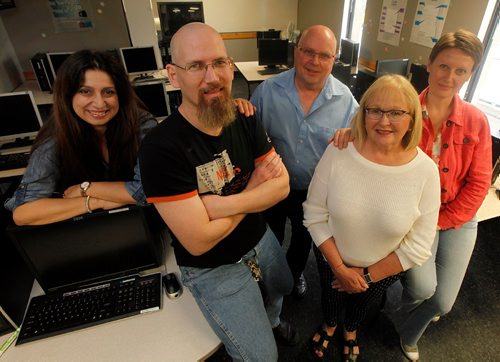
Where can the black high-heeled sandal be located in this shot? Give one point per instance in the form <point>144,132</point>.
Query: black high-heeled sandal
<point>318,346</point>
<point>350,345</point>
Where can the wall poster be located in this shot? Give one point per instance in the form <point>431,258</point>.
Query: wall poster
<point>71,15</point>
<point>429,21</point>
<point>391,21</point>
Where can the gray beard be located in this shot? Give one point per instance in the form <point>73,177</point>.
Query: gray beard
<point>217,112</point>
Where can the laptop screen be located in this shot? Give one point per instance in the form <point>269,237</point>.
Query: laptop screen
<point>88,248</point>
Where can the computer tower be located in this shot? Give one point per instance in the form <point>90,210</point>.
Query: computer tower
<point>349,51</point>
<point>41,68</point>
<point>419,76</point>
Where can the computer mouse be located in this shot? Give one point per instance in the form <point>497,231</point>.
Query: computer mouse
<point>172,286</point>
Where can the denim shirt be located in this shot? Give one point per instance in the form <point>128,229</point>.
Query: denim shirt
<point>301,139</point>
<point>43,171</point>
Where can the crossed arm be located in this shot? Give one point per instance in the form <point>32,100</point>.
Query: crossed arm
<point>103,195</point>
<point>200,223</point>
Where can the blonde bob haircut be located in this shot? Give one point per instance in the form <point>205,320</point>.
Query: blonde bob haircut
<point>383,85</point>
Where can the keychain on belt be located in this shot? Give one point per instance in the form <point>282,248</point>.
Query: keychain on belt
<point>255,269</point>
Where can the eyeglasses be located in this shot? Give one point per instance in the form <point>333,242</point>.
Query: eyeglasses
<point>311,54</point>
<point>199,68</point>
<point>394,115</point>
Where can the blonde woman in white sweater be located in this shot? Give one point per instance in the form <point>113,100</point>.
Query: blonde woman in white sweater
<point>371,209</point>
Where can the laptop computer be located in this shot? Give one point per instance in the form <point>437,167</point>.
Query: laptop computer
<point>95,259</point>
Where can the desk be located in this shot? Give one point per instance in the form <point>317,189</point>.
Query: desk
<point>12,173</point>
<point>491,204</point>
<point>41,97</point>
<point>254,73</point>
<point>178,332</point>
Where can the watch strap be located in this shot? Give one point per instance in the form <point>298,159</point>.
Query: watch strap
<point>367,276</point>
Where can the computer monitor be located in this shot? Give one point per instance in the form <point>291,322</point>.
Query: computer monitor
<point>154,97</point>
<point>268,34</point>
<point>392,66</point>
<point>55,61</point>
<point>273,52</point>
<point>90,247</point>
<point>139,60</point>
<point>20,116</point>
<point>349,52</point>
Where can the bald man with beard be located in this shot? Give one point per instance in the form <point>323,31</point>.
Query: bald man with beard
<point>210,172</point>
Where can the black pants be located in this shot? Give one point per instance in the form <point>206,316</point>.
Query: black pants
<point>300,242</point>
<point>355,305</point>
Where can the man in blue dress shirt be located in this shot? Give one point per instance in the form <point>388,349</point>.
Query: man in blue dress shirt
<point>301,109</point>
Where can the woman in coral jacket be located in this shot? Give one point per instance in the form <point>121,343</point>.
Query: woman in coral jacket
<point>457,136</point>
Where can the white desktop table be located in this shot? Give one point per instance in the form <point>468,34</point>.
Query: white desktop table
<point>254,73</point>
<point>178,332</point>
<point>41,97</point>
<point>491,204</point>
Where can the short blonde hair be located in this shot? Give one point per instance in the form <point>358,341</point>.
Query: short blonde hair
<point>392,83</point>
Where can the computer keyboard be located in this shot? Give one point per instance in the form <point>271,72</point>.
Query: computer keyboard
<point>14,160</point>
<point>50,315</point>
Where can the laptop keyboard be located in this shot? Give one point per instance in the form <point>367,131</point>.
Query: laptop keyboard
<point>14,160</point>
<point>50,315</point>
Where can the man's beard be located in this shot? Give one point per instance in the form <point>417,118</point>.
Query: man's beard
<point>216,112</point>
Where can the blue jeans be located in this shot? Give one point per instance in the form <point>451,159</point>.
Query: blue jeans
<point>233,305</point>
<point>431,289</point>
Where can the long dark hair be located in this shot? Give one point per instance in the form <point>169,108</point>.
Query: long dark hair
<point>77,143</point>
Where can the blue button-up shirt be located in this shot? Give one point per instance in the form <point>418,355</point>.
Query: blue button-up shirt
<point>300,139</point>
<point>43,172</point>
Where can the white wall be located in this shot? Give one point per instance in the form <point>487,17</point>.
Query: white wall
<point>141,26</point>
<point>245,15</point>
<point>233,16</point>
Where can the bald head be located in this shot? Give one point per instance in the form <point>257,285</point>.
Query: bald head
<point>319,33</point>
<point>192,35</point>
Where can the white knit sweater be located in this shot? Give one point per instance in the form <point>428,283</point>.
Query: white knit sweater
<point>372,209</point>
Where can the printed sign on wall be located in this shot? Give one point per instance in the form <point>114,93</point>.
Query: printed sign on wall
<point>429,21</point>
<point>70,15</point>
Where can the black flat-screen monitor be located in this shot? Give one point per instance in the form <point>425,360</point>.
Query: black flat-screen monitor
<point>349,51</point>
<point>392,66</point>
<point>273,52</point>
<point>55,61</point>
<point>154,97</point>
<point>89,248</point>
<point>20,116</point>
<point>139,60</point>
<point>268,34</point>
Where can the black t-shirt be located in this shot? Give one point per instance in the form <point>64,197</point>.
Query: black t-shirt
<point>179,161</point>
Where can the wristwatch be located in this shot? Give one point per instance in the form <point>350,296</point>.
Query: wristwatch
<point>367,276</point>
<point>84,186</point>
